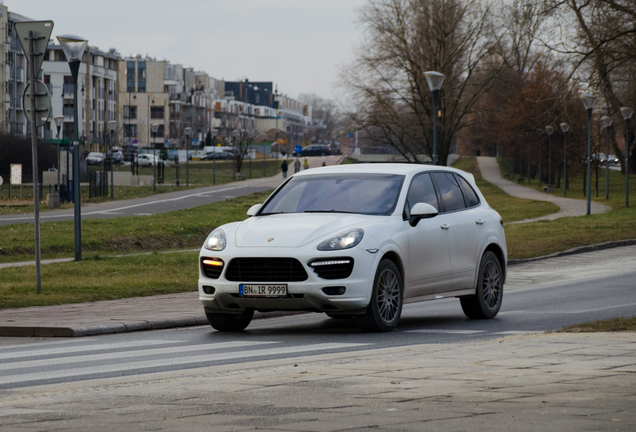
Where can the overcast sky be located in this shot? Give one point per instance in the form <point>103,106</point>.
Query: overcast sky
<point>297,44</point>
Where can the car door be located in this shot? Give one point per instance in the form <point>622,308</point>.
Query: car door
<point>429,270</point>
<point>466,226</point>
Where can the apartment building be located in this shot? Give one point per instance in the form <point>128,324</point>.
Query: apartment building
<point>97,103</point>
<point>13,68</point>
<point>172,97</point>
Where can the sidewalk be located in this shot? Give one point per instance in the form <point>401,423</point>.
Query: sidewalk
<point>569,206</point>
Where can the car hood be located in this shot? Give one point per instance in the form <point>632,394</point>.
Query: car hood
<point>292,230</point>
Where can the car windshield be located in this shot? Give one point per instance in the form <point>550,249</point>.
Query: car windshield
<point>373,194</point>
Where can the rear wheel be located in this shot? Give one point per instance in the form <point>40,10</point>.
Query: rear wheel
<point>486,302</point>
<point>230,322</point>
<point>385,307</point>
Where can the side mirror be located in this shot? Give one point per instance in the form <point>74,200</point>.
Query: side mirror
<point>254,209</point>
<point>422,211</point>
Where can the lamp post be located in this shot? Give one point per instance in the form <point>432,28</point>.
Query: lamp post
<point>565,128</point>
<point>235,134</point>
<point>58,123</point>
<point>213,132</point>
<point>540,130</point>
<point>264,154</point>
<point>549,130</point>
<point>434,80</point>
<point>589,101</point>
<point>154,127</point>
<point>607,122</point>
<point>187,131</point>
<point>627,114</point>
<point>74,47</point>
<point>111,127</point>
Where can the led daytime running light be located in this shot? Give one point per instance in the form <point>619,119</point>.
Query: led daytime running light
<point>332,262</point>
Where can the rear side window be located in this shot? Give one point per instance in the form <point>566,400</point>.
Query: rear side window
<point>450,191</point>
<point>421,191</point>
<point>469,193</point>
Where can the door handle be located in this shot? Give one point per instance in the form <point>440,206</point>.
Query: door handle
<point>444,227</point>
<point>480,221</point>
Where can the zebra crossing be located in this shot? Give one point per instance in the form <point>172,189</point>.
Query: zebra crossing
<point>48,363</point>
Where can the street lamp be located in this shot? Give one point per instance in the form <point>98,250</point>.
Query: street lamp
<point>213,132</point>
<point>549,130</point>
<point>187,131</point>
<point>434,80</point>
<point>58,123</point>
<point>627,114</point>
<point>607,122</point>
<point>154,128</point>
<point>111,126</point>
<point>588,102</point>
<point>235,134</point>
<point>565,128</point>
<point>74,47</point>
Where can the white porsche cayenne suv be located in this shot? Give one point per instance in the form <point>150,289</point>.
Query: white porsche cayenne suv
<point>357,241</point>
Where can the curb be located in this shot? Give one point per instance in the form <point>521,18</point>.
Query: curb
<point>129,327</point>
<point>576,251</point>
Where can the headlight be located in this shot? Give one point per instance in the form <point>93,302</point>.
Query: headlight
<point>216,241</point>
<point>345,240</point>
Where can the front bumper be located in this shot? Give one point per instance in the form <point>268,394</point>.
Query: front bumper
<point>307,295</point>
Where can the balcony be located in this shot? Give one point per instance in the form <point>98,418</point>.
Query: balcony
<point>68,112</point>
<point>68,90</point>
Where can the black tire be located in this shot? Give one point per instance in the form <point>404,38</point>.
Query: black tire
<point>486,302</point>
<point>385,307</point>
<point>230,322</point>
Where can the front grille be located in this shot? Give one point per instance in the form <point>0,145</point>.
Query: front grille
<point>332,268</point>
<point>265,270</point>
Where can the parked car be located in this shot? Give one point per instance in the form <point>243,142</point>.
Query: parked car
<point>95,158</point>
<point>613,160</point>
<point>147,159</point>
<point>316,150</point>
<point>118,157</point>
<point>357,241</point>
<point>217,155</point>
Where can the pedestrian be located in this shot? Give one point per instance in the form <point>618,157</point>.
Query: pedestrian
<point>324,163</point>
<point>284,168</point>
<point>305,164</point>
<point>297,165</point>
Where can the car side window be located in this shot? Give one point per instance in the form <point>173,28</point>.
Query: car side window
<point>421,190</point>
<point>450,191</point>
<point>469,193</point>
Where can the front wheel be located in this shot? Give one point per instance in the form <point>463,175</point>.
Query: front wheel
<point>385,307</point>
<point>486,302</point>
<point>230,322</point>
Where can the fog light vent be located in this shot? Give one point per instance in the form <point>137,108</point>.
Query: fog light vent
<point>209,289</point>
<point>212,267</point>
<point>332,268</point>
<point>334,290</point>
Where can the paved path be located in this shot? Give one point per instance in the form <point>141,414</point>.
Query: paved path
<point>569,206</point>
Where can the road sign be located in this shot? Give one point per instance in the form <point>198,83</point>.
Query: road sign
<point>42,103</point>
<point>41,32</point>
<point>16,174</point>
<point>297,148</point>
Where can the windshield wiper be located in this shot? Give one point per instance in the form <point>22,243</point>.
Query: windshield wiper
<point>329,211</point>
<point>272,213</point>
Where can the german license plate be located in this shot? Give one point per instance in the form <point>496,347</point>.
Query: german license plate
<point>263,290</point>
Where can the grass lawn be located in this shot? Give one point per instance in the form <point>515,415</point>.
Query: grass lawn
<point>510,208</point>
<point>179,229</point>
<point>202,173</point>
<point>100,278</point>
<point>546,237</point>
<point>610,325</point>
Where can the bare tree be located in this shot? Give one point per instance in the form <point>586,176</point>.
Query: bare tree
<point>404,39</point>
<point>325,116</point>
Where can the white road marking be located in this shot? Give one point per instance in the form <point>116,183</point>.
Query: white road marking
<point>128,354</point>
<point>80,348</point>
<point>150,364</point>
<point>446,331</point>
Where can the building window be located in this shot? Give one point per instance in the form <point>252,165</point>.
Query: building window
<point>141,77</point>
<point>130,112</point>
<point>156,112</point>
<point>130,130</point>
<point>130,77</point>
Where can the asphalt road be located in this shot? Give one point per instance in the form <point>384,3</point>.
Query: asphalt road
<point>539,297</point>
<point>161,203</point>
